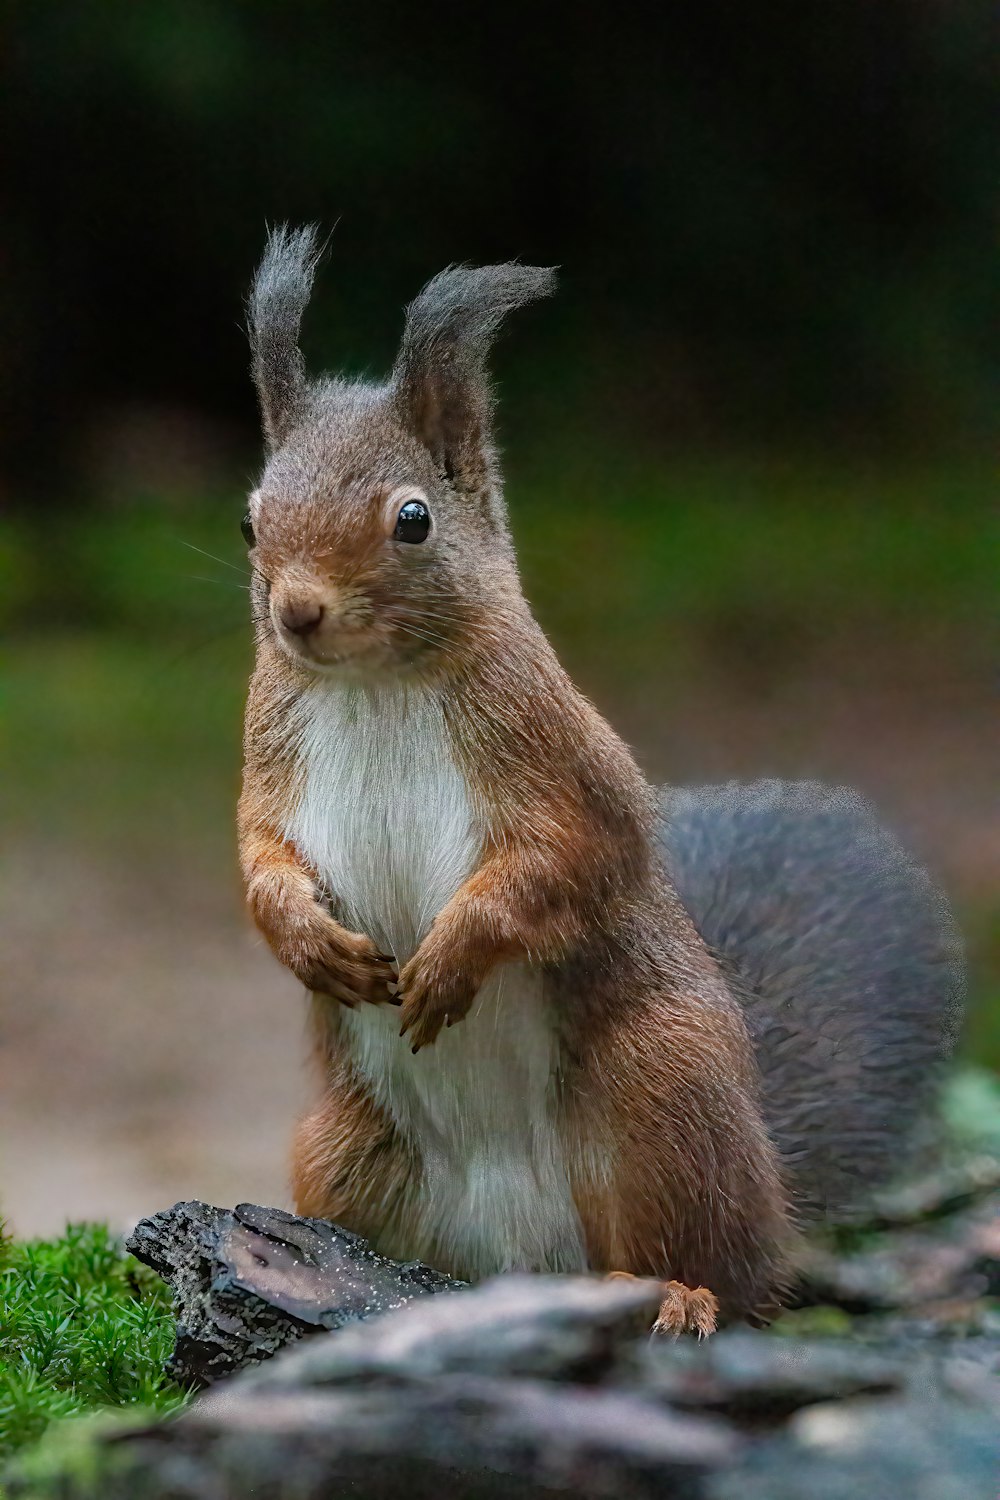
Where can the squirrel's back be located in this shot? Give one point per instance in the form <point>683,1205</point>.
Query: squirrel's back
<point>844,955</point>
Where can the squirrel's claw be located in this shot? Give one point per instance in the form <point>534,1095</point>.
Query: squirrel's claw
<point>423,1026</point>
<point>436,991</point>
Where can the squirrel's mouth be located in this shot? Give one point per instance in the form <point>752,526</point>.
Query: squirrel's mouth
<point>331,648</point>
<point>329,630</point>
<point>350,651</point>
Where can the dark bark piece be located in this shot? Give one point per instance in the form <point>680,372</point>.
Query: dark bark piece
<point>250,1280</point>
<point>319,1273</point>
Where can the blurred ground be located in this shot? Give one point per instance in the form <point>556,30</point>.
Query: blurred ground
<point>731,620</point>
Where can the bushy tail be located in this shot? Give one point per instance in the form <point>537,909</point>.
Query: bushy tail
<point>845,957</point>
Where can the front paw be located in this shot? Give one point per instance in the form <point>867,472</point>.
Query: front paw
<point>329,960</point>
<point>433,994</point>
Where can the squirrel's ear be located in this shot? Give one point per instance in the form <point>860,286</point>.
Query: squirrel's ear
<point>440,381</point>
<point>277,301</point>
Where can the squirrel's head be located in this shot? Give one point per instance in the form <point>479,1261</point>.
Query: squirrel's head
<point>378,531</point>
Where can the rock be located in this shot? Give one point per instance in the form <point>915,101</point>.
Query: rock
<point>953,1260</point>
<point>761,1381</point>
<point>569,1328</point>
<point>951,1188</point>
<point>927,1448</point>
<point>455,1436</point>
<point>526,1388</point>
<point>506,1390</point>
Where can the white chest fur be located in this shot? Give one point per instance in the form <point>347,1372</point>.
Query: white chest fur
<point>385,816</point>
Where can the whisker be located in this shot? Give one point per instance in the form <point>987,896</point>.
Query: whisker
<point>222,582</point>
<point>439,614</point>
<point>428,620</point>
<point>408,617</point>
<point>470,622</point>
<point>432,640</point>
<point>212,555</point>
<point>478,629</point>
<point>419,636</point>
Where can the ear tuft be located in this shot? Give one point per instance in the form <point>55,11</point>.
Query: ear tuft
<point>277,301</point>
<point>464,306</point>
<point>440,374</point>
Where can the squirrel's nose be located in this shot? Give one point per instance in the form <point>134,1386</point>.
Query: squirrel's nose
<point>301,616</point>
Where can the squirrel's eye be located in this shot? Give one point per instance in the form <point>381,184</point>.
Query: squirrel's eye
<point>246,526</point>
<point>413,522</point>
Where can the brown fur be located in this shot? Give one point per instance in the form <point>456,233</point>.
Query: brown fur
<point>672,1170</point>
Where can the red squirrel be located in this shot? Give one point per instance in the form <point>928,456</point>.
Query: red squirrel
<point>530,1055</point>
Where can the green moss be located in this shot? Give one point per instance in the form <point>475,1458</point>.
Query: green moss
<point>83,1327</point>
<point>814,1323</point>
<point>74,1460</point>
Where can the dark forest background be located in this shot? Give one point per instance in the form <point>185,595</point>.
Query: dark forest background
<point>750,449</point>
<point>774,221</point>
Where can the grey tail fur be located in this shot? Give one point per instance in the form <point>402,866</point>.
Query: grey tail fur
<point>846,960</point>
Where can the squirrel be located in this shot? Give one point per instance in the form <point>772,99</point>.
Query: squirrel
<point>562,1022</point>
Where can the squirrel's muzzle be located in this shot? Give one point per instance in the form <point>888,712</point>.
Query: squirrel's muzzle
<point>321,623</point>
<point>301,616</point>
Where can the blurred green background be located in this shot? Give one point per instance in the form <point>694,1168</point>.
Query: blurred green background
<point>748,452</point>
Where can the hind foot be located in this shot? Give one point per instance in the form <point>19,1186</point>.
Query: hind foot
<point>687,1309</point>
<point>684,1309</point>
